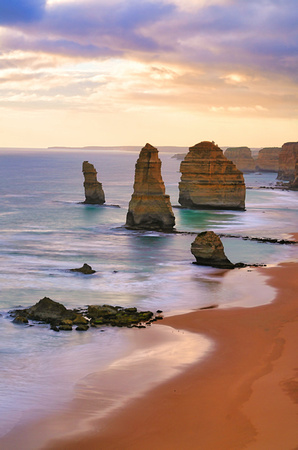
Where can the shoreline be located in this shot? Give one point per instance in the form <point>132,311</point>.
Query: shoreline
<point>242,395</point>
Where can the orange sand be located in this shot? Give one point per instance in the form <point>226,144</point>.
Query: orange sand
<point>244,395</point>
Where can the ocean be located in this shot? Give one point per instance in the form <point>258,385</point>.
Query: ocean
<point>46,230</point>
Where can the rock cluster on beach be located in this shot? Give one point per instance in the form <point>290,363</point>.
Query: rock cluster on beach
<point>210,180</point>
<point>267,160</point>
<point>242,158</point>
<point>208,250</point>
<point>62,319</point>
<point>287,161</point>
<point>85,269</point>
<point>149,207</point>
<point>93,189</point>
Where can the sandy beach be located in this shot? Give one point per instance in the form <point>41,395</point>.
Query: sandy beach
<point>243,395</point>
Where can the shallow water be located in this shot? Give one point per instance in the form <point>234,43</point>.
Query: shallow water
<point>45,231</point>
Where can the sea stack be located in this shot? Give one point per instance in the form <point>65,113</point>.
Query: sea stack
<point>93,189</point>
<point>267,160</point>
<point>242,158</point>
<point>208,250</point>
<point>210,180</point>
<point>287,161</point>
<point>149,207</point>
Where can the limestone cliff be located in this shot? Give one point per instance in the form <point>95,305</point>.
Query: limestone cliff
<point>287,160</point>
<point>242,158</point>
<point>149,207</point>
<point>267,159</point>
<point>208,250</point>
<point>210,180</point>
<point>294,185</point>
<point>93,189</point>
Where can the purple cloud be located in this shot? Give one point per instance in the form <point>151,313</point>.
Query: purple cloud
<point>21,11</point>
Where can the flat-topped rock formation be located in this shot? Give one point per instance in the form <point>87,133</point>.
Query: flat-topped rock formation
<point>287,161</point>
<point>210,180</point>
<point>93,189</point>
<point>267,159</point>
<point>149,207</point>
<point>208,250</point>
<point>242,158</point>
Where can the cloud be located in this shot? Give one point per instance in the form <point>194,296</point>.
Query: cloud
<point>21,11</point>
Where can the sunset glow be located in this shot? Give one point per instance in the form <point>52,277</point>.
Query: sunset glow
<point>171,72</point>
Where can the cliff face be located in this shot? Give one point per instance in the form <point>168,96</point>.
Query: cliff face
<point>287,160</point>
<point>210,180</point>
<point>242,158</point>
<point>294,185</point>
<point>267,160</point>
<point>93,189</point>
<point>149,207</point>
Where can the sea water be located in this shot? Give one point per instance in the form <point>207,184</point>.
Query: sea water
<point>46,230</point>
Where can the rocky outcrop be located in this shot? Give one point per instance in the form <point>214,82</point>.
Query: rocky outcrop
<point>267,159</point>
<point>208,250</point>
<point>242,158</point>
<point>60,318</point>
<point>93,189</point>
<point>149,207</point>
<point>85,269</point>
<point>287,161</point>
<point>210,180</point>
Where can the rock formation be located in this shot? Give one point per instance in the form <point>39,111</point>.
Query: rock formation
<point>97,316</point>
<point>242,158</point>
<point>93,189</point>
<point>208,250</point>
<point>287,161</point>
<point>294,184</point>
<point>210,180</point>
<point>149,207</point>
<point>267,160</point>
<point>85,269</point>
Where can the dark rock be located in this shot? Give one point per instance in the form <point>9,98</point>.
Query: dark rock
<point>48,310</point>
<point>86,269</point>
<point>65,328</point>
<point>20,320</point>
<point>82,328</point>
<point>208,250</point>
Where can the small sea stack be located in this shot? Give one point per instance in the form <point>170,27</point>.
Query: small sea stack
<point>242,158</point>
<point>93,189</point>
<point>149,208</point>
<point>287,161</point>
<point>208,250</point>
<point>209,180</point>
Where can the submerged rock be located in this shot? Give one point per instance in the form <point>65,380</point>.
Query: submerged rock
<point>149,207</point>
<point>242,158</point>
<point>210,180</point>
<point>208,250</point>
<point>86,269</point>
<point>93,189</point>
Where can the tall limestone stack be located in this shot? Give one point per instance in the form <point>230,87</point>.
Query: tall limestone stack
<point>287,160</point>
<point>267,160</point>
<point>210,180</point>
<point>149,207</point>
<point>93,189</point>
<point>242,158</point>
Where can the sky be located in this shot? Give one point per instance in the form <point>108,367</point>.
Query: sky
<point>168,72</point>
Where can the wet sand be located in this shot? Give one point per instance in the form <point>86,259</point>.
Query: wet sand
<point>243,395</point>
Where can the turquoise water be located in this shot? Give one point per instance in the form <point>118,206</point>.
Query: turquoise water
<point>45,231</point>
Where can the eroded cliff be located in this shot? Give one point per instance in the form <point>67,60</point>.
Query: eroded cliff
<point>267,160</point>
<point>287,161</point>
<point>210,180</point>
<point>94,193</point>
<point>242,158</point>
